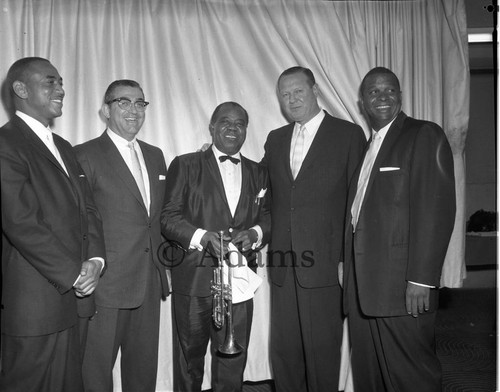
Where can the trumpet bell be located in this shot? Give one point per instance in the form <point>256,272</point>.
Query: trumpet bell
<point>230,347</point>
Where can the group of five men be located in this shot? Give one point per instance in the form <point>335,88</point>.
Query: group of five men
<point>83,278</point>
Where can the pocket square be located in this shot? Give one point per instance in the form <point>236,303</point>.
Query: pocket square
<point>81,175</point>
<point>161,177</point>
<point>389,168</point>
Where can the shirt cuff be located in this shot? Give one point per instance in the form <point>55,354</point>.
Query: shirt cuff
<point>196,239</point>
<point>421,284</point>
<point>92,258</point>
<point>258,243</point>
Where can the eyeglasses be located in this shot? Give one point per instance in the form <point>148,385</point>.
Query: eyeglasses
<point>126,104</point>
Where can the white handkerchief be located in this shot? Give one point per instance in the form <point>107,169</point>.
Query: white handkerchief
<point>161,177</point>
<point>389,168</point>
<point>81,175</point>
<point>244,281</point>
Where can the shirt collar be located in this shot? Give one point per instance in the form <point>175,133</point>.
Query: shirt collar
<point>383,131</point>
<point>118,140</point>
<point>313,124</point>
<point>36,126</point>
<point>218,153</point>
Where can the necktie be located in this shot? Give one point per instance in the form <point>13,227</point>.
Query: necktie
<point>224,158</point>
<point>136,171</point>
<point>364,175</point>
<point>298,150</point>
<point>53,149</point>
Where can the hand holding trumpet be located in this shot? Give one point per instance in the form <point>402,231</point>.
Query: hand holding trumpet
<point>212,241</point>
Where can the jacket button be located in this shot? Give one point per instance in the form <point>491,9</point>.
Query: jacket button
<point>146,250</point>
<point>85,237</point>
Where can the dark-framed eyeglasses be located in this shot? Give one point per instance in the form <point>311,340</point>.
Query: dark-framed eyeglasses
<point>126,104</point>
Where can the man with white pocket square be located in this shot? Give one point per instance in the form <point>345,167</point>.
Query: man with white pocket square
<point>401,213</point>
<point>127,178</point>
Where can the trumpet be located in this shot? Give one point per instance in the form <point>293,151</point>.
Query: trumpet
<point>222,305</point>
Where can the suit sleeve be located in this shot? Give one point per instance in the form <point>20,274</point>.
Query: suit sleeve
<point>174,225</point>
<point>95,230</point>
<point>432,205</point>
<point>27,229</point>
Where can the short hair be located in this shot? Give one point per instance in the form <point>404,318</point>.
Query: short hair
<point>298,69</point>
<point>21,70</point>
<point>108,95</point>
<point>222,105</point>
<point>377,71</point>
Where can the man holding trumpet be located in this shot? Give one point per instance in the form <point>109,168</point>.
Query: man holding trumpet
<point>215,203</point>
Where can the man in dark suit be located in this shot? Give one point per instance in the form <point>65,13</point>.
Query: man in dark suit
<point>127,178</point>
<point>207,192</point>
<point>402,212</point>
<point>50,228</point>
<point>310,163</point>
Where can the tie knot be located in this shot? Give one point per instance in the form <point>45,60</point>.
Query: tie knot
<point>131,145</point>
<point>224,158</point>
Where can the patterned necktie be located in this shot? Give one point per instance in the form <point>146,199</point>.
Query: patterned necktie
<point>298,150</point>
<point>136,171</point>
<point>364,175</point>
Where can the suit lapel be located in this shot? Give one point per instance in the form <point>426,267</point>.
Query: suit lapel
<point>115,160</point>
<point>241,207</point>
<point>38,143</point>
<point>385,148</point>
<point>213,169</point>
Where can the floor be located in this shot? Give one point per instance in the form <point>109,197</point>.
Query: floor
<point>466,335</point>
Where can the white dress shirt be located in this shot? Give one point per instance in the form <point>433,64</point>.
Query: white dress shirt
<point>311,128</point>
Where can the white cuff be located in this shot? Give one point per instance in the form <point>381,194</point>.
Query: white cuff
<point>196,239</point>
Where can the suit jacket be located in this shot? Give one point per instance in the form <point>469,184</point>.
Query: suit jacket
<point>132,237</point>
<point>50,225</point>
<point>196,199</point>
<point>308,213</point>
<point>406,218</point>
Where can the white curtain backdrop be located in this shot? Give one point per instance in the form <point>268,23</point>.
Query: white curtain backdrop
<point>191,55</point>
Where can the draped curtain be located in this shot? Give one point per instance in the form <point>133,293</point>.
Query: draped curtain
<point>191,55</point>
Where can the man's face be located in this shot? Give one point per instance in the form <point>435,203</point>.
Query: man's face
<point>43,99</point>
<point>125,123</point>
<point>381,99</point>
<point>229,129</point>
<point>297,98</point>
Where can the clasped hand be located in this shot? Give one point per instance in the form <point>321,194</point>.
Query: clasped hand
<point>243,241</point>
<point>89,277</point>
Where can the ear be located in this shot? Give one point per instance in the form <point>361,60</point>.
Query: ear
<point>20,89</point>
<point>211,129</point>
<point>315,89</point>
<point>105,110</point>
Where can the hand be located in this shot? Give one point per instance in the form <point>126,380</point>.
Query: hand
<point>340,270</point>
<point>89,277</point>
<point>245,239</point>
<point>204,147</point>
<point>211,241</point>
<point>417,299</point>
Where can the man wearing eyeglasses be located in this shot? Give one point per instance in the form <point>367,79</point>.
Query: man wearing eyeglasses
<point>127,177</point>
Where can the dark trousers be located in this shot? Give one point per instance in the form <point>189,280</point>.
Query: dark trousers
<point>49,363</point>
<point>136,333</point>
<point>306,337</point>
<point>193,329</point>
<point>393,354</point>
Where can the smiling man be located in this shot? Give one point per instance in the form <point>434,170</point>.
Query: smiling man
<point>127,178</point>
<point>50,228</point>
<point>399,222</point>
<point>208,192</point>
<point>310,163</point>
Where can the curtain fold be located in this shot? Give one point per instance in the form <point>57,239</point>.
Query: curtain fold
<point>190,55</point>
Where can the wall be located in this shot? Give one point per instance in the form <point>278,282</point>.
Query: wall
<point>480,149</point>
